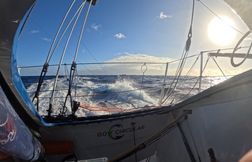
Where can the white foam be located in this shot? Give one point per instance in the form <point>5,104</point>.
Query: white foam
<point>122,93</point>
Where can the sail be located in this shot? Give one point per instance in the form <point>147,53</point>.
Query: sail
<point>243,8</point>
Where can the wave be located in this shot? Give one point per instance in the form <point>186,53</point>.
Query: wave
<point>125,93</point>
<point>121,93</point>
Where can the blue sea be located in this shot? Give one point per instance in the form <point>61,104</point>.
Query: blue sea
<point>114,91</point>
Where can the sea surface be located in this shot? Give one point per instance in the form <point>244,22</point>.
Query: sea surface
<point>127,93</point>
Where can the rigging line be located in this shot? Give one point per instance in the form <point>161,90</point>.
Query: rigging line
<point>189,71</point>
<point>90,53</point>
<point>68,25</point>
<point>82,31</point>
<point>186,143</point>
<point>46,64</point>
<point>175,84</point>
<point>71,78</point>
<point>174,80</point>
<point>58,32</point>
<point>134,138</point>
<point>60,62</point>
<point>221,19</point>
<point>193,11</point>
<point>219,67</point>
<point>193,141</point>
<point>179,75</point>
<point>155,137</point>
<point>73,66</point>
<point>27,18</point>
<point>197,79</point>
<point>184,55</point>
<point>171,88</point>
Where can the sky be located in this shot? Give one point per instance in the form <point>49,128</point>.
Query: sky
<point>123,30</point>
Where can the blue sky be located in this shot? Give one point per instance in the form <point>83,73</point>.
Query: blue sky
<point>155,28</point>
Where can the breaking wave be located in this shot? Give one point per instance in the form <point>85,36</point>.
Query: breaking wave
<point>125,93</point>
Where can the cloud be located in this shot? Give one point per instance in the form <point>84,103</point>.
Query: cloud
<point>129,64</point>
<point>34,31</point>
<point>162,15</point>
<point>119,36</point>
<point>95,27</point>
<point>46,39</point>
<point>127,57</point>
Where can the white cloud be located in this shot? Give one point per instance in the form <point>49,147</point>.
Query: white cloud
<point>129,64</point>
<point>46,39</point>
<point>139,58</point>
<point>96,27</point>
<point>162,15</point>
<point>34,31</point>
<point>119,36</point>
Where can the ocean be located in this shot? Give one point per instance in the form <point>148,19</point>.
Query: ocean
<point>124,92</point>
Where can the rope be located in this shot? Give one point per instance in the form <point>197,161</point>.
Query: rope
<point>82,32</point>
<point>58,32</point>
<point>186,143</point>
<point>74,65</point>
<point>189,71</point>
<point>183,59</point>
<point>193,141</point>
<point>188,74</point>
<point>134,138</point>
<point>152,139</point>
<point>59,65</point>
<point>184,80</point>
<point>29,13</point>
<point>219,67</point>
<point>68,25</point>
<point>69,93</point>
<point>40,82</point>
<point>236,48</point>
<point>197,79</point>
<point>46,64</point>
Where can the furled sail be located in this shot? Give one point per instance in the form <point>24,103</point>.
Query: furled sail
<point>244,9</point>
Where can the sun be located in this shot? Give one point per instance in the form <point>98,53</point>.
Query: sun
<point>220,31</point>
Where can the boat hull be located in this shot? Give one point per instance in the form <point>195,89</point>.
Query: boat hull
<point>109,138</point>
<point>220,120</point>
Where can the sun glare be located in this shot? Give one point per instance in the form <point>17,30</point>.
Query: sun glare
<point>220,31</point>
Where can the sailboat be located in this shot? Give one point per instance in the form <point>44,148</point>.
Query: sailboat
<point>213,125</point>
